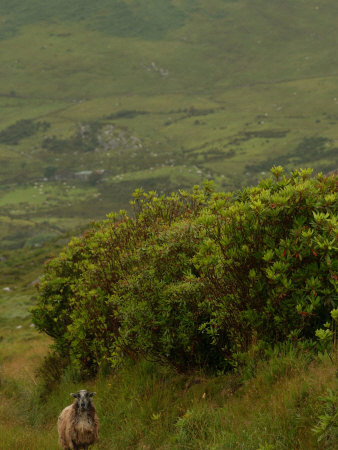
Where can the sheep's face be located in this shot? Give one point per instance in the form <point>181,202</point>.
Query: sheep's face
<point>84,399</point>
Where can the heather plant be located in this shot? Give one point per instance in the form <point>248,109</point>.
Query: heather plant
<point>195,280</point>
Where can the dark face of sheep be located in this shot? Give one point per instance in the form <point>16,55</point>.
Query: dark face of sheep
<point>84,399</point>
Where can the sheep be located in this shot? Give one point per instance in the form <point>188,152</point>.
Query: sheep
<point>78,424</point>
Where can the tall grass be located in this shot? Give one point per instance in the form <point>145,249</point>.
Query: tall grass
<point>145,406</point>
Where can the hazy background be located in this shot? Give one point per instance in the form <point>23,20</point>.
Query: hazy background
<point>99,98</point>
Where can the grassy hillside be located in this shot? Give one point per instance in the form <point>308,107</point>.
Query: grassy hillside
<point>160,95</point>
<point>274,406</point>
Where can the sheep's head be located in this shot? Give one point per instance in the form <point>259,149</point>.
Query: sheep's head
<point>83,398</point>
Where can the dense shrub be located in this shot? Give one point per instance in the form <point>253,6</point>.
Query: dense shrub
<point>125,114</point>
<point>268,259</point>
<point>77,304</point>
<point>20,130</point>
<point>196,279</point>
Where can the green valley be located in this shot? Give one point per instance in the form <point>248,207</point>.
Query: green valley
<point>160,96</point>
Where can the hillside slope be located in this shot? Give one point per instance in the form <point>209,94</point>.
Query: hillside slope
<point>118,95</point>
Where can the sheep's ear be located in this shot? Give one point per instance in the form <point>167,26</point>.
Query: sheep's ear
<point>92,394</point>
<point>73,395</point>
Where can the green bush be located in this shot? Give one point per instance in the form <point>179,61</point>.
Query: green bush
<point>197,279</point>
<point>78,293</point>
<point>20,130</point>
<point>268,259</point>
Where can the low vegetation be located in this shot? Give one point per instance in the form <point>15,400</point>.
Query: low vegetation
<point>20,130</point>
<point>280,401</point>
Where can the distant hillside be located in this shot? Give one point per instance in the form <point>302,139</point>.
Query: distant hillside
<point>99,98</point>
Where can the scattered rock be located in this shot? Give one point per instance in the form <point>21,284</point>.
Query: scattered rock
<point>162,72</point>
<point>7,289</point>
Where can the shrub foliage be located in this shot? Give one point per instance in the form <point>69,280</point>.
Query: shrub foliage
<point>195,279</point>
<point>20,130</point>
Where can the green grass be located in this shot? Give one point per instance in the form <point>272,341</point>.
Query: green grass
<point>146,406</point>
<point>41,193</point>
